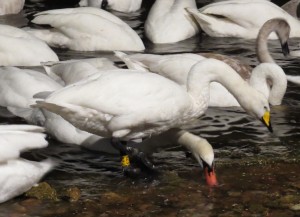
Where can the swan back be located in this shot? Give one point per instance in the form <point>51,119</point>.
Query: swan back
<point>87,29</point>
<point>71,71</point>
<point>168,21</point>
<point>234,18</point>
<point>19,48</point>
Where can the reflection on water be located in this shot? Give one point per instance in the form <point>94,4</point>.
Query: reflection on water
<point>258,171</point>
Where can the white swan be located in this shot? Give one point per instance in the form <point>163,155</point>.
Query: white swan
<point>17,88</point>
<point>13,140</point>
<point>169,22</point>
<point>126,6</point>
<point>125,115</point>
<point>176,67</point>
<point>86,29</point>
<point>19,48</point>
<point>11,6</point>
<point>243,19</point>
<point>71,71</point>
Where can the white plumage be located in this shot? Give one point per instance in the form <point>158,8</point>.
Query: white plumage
<point>19,175</point>
<point>86,29</point>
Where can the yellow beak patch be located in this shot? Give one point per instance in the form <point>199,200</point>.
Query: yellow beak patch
<point>266,118</point>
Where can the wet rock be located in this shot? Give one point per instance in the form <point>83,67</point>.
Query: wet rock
<point>30,203</point>
<point>234,193</point>
<point>289,199</point>
<point>257,208</point>
<point>42,191</point>
<point>113,198</point>
<point>71,194</point>
<point>295,207</point>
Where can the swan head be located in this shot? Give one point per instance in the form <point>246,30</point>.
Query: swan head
<point>258,107</point>
<point>203,152</point>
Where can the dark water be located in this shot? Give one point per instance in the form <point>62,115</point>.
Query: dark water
<point>258,172</point>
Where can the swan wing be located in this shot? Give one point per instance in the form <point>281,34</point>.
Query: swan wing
<point>15,178</point>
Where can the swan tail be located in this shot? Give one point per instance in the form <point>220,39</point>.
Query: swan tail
<point>199,17</point>
<point>130,63</point>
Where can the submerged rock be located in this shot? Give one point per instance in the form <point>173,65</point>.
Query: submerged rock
<point>71,194</point>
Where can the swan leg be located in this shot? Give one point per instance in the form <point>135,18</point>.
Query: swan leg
<point>125,152</point>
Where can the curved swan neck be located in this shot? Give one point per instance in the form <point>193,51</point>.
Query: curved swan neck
<point>282,30</point>
<point>270,80</point>
<point>209,70</point>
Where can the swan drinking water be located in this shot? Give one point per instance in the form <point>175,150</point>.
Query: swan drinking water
<point>118,103</point>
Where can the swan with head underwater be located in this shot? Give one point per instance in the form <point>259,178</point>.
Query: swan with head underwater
<point>86,29</point>
<point>15,139</point>
<point>169,22</point>
<point>129,104</point>
<point>266,77</point>
<point>242,19</point>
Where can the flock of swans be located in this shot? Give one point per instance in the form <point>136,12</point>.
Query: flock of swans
<point>94,103</point>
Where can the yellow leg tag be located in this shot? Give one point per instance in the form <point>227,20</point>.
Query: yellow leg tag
<point>125,161</point>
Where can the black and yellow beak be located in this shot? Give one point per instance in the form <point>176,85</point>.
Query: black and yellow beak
<point>266,119</point>
<point>285,49</point>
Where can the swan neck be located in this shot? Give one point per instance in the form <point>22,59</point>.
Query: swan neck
<point>271,81</point>
<point>282,30</point>
<point>210,70</point>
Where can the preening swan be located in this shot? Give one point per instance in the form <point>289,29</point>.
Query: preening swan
<point>243,19</point>
<point>126,6</point>
<point>11,6</point>
<point>267,77</point>
<point>15,139</point>
<point>19,48</point>
<point>169,22</point>
<point>86,29</point>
